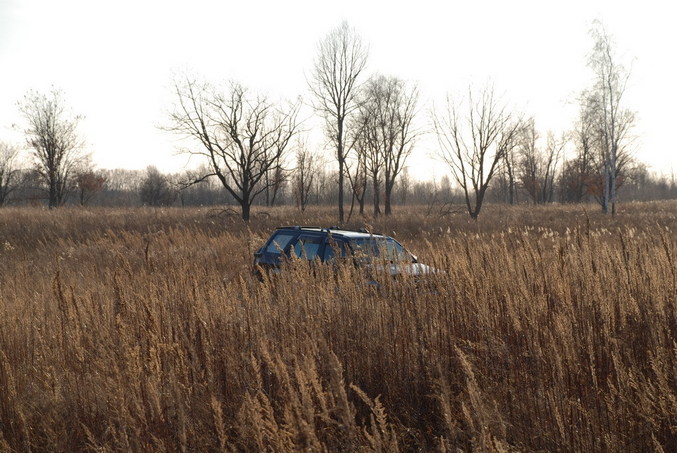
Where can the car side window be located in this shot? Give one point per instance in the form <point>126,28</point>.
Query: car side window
<point>332,248</point>
<point>278,243</point>
<point>307,247</point>
<point>383,248</point>
<point>396,252</point>
<point>363,250</point>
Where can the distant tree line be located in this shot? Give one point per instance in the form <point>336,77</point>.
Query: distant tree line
<point>253,151</point>
<point>312,183</point>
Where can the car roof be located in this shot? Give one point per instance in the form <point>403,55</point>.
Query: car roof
<point>335,231</point>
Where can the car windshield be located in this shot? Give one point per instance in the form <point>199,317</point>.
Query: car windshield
<point>279,242</point>
<point>386,249</point>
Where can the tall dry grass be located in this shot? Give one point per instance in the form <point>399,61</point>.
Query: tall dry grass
<point>550,329</point>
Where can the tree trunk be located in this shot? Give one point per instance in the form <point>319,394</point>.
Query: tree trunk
<point>377,200</point>
<point>605,195</point>
<point>272,200</point>
<point>246,210</point>
<point>612,181</point>
<point>388,193</point>
<point>478,203</point>
<point>341,162</point>
<point>53,195</point>
<point>267,183</point>
<point>352,206</point>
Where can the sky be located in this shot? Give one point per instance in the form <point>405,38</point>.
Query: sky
<point>115,62</point>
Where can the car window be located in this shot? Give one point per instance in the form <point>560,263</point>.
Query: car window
<point>385,248</point>
<point>332,248</point>
<point>363,248</point>
<point>307,247</point>
<point>279,242</point>
<point>395,251</point>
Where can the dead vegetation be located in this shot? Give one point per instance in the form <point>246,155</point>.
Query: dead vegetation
<point>552,329</point>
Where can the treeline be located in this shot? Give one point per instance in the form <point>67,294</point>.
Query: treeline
<point>150,187</point>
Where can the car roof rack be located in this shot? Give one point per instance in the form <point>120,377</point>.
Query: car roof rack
<point>358,230</point>
<point>328,229</point>
<point>299,227</point>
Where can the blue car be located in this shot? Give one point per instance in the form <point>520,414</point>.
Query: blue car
<point>374,251</point>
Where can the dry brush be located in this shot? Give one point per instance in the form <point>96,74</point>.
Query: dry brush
<point>549,329</point>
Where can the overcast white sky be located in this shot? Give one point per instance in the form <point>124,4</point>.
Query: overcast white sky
<point>115,60</point>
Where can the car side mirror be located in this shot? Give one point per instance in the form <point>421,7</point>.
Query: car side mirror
<point>414,259</point>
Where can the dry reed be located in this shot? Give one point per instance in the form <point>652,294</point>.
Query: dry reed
<point>549,329</point>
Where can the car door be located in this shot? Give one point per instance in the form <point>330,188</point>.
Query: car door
<point>307,246</point>
<point>334,248</point>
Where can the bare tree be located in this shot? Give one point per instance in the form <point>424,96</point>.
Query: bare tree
<point>325,188</point>
<point>241,137</point>
<point>591,171</point>
<point>334,82</point>
<point>537,167</point>
<point>52,134</point>
<point>615,121</point>
<point>9,171</point>
<point>304,175</point>
<point>155,189</point>
<point>578,172</point>
<point>554,152</point>
<point>474,144</point>
<point>508,175</point>
<point>275,180</point>
<point>404,185</point>
<point>386,115</point>
<point>357,171</point>
<point>369,146</point>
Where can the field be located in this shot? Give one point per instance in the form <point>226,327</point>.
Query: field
<point>550,329</point>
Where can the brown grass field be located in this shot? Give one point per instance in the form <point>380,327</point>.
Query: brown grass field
<point>550,329</point>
